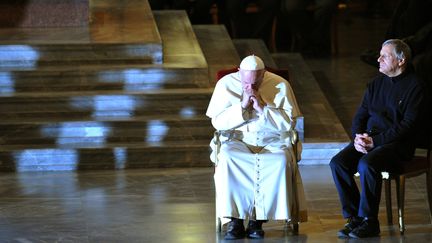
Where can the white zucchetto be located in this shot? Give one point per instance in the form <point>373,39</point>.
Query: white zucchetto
<point>252,63</point>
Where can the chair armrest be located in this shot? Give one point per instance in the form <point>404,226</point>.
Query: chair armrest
<point>292,134</point>
<point>296,144</point>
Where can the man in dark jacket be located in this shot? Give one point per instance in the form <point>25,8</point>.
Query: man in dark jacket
<point>384,131</point>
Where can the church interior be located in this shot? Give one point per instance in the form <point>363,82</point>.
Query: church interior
<point>104,136</point>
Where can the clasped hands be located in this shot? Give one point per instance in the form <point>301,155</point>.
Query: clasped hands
<point>252,99</point>
<point>363,143</point>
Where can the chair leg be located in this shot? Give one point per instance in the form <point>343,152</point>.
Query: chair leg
<point>218,224</point>
<point>218,220</point>
<point>296,228</point>
<point>387,188</point>
<point>400,190</point>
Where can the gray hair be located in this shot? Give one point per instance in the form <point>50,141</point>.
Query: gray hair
<point>400,49</point>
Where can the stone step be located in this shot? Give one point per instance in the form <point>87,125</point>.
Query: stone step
<point>119,31</point>
<point>246,47</point>
<point>102,78</point>
<point>218,48</point>
<point>180,45</point>
<point>320,152</point>
<point>27,57</point>
<point>120,156</point>
<point>95,133</point>
<point>74,105</point>
<point>106,113</point>
<point>323,128</point>
<point>324,133</point>
<point>183,68</point>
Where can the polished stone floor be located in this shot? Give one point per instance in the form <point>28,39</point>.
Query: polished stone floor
<point>177,205</point>
<point>168,205</point>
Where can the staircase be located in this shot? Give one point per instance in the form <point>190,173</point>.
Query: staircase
<point>128,91</point>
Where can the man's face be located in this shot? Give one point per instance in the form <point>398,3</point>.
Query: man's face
<point>251,79</point>
<point>388,62</point>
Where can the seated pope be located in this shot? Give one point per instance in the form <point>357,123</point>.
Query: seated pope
<point>257,179</point>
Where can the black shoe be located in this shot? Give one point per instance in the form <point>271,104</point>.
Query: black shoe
<point>368,228</point>
<point>254,229</point>
<point>235,230</point>
<point>352,223</point>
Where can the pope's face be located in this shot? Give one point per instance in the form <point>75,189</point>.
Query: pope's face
<point>388,62</point>
<point>251,79</point>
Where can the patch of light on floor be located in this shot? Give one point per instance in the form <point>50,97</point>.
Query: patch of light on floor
<point>156,131</point>
<point>19,56</point>
<point>114,106</point>
<point>7,84</point>
<point>120,155</point>
<point>46,159</point>
<point>110,76</point>
<point>184,210</point>
<point>143,79</point>
<point>49,185</point>
<point>187,112</point>
<point>135,79</point>
<point>107,105</point>
<point>79,133</point>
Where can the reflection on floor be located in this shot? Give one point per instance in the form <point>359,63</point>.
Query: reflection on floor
<point>169,205</point>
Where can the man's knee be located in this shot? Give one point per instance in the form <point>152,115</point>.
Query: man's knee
<point>334,163</point>
<point>337,161</point>
<point>367,166</point>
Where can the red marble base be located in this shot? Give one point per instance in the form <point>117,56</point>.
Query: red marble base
<point>43,13</point>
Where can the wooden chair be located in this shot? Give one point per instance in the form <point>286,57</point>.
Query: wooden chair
<point>420,164</point>
<point>295,139</point>
<point>295,225</point>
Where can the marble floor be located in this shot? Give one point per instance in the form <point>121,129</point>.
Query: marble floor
<point>177,205</point>
<point>169,205</point>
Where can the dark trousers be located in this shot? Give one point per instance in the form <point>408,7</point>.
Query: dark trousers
<point>348,162</point>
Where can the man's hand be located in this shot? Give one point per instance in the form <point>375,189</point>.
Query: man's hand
<point>251,97</point>
<point>363,143</point>
<point>246,100</point>
<point>257,104</point>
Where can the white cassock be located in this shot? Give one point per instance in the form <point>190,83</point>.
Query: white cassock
<point>256,175</point>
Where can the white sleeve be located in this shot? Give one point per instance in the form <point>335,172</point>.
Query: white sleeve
<point>225,107</point>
